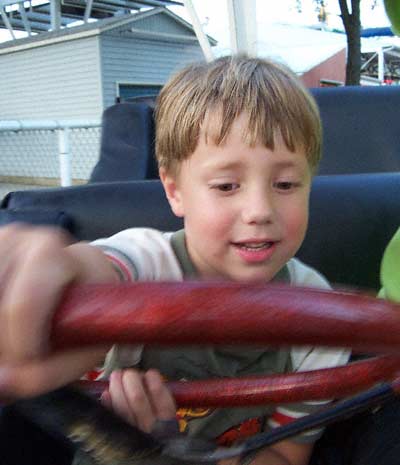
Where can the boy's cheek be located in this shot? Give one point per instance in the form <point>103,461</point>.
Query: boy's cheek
<point>296,225</point>
<point>213,227</point>
<point>210,216</point>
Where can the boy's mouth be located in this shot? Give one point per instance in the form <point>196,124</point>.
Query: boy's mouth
<point>254,245</point>
<point>255,251</point>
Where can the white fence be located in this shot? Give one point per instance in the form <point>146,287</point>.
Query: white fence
<point>49,150</point>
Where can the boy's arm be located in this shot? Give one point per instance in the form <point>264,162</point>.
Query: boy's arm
<point>36,265</point>
<point>289,452</point>
<point>282,453</point>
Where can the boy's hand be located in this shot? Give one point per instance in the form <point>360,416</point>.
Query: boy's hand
<point>140,398</point>
<point>36,265</point>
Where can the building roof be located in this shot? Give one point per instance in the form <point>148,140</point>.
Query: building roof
<point>301,48</point>
<point>94,28</point>
<point>27,15</point>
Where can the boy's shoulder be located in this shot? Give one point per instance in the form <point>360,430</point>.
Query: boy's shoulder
<point>146,253</point>
<point>304,275</point>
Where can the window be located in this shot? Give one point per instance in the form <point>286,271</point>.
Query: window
<point>132,91</point>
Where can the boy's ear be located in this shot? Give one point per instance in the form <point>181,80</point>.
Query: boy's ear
<point>172,191</point>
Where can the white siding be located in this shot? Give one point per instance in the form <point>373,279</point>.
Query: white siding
<point>49,82</point>
<point>141,61</point>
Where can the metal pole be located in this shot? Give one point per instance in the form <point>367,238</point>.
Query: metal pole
<point>6,22</point>
<point>243,26</point>
<point>201,36</point>
<point>55,11</point>
<point>64,157</point>
<point>24,17</point>
<point>381,64</point>
<point>88,10</point>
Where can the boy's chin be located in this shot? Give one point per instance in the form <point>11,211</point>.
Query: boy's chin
<point>251,276</point>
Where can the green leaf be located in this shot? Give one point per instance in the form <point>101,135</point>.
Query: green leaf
<point>392,8</point>
<point>390,269</point>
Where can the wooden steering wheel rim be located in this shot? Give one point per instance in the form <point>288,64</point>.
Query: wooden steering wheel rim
<point>235,313</point>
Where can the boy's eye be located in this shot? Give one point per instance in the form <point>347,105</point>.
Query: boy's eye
<point>285,185</point>
<point>226,187</point>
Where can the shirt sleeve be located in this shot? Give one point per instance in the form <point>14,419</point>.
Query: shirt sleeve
<point>307,358</point>
<point>142,254</point>
<point>137,254</point>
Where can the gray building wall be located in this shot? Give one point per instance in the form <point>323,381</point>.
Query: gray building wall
<point>163,23</point>
<point>77,79</point>
<point>52,82</point>
<point>131,60</point>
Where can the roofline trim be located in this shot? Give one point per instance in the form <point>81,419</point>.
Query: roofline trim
<point>98,30</point>
<point>75,36</point>
<point>50,41</point>
<point>162,35</point>
<point>132,18</point>
<point>165,11</point>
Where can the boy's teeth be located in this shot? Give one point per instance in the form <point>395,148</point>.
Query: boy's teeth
<point>256,246</point>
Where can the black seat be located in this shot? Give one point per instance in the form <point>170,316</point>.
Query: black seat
<point>360,124</point>
<point>127,144</point>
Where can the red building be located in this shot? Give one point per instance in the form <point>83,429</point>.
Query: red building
<point>329,72</point>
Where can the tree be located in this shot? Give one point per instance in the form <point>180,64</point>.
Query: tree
<point>352,26</point>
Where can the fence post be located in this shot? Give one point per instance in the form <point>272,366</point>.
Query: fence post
<point>64,157</point>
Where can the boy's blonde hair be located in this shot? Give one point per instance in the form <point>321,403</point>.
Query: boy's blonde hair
<point>270,94</point>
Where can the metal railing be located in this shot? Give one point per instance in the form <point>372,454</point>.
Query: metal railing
<point>49,149</point>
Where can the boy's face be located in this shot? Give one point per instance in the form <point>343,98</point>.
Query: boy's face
<point>245,208</point>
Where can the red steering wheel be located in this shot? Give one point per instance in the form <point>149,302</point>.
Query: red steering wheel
<point>223,313</point>
<point>233,313</point>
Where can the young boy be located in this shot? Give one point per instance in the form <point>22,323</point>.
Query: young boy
<point>238,141</point>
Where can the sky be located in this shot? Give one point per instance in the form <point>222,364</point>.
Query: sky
<point>213,15</point>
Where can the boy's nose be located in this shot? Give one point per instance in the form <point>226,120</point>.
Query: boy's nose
<point>258,209</point>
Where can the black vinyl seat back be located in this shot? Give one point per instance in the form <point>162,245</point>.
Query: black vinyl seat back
<point>361,129</point>
<point>361,134</point>
<point>127,144</point>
